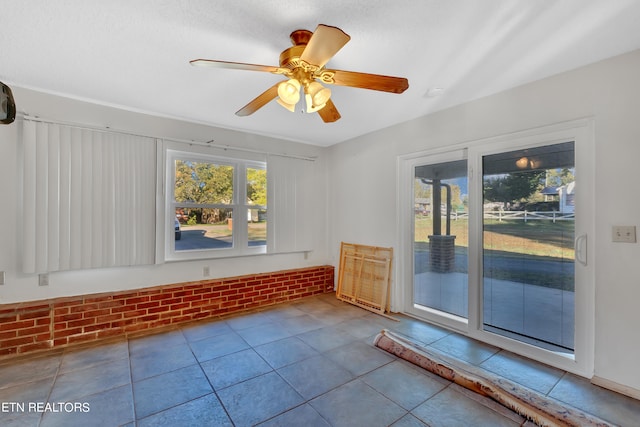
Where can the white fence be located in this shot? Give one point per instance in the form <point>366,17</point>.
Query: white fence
<point>523,215</point>
<point>526,216</point>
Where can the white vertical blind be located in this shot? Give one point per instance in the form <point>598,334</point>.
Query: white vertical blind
<point>290,203</point>
<point>89,198</point>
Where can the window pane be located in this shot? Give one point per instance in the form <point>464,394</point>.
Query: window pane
<point>528,254</point>
<point>257,187</point>
<point>199,228</point>
<point>203,182</point>
<point>257,227</point>
<point>257,196</point>
<point>441,220</point>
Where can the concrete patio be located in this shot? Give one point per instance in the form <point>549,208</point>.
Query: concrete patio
<point>540,315</point>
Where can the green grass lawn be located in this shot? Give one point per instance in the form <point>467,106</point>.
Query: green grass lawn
<point>535,237</point>
<point>515,240</point>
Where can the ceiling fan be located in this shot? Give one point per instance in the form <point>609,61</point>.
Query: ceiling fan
<point>304,66</point>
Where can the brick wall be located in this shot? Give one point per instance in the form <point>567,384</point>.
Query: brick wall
<point>40,325</point>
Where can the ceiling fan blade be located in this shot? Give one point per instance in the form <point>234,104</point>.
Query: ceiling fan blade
<point>236,66</point>
<point>329,113</point>
<point>260,101</point>
<point>325,42</point>
<point>369,81</point>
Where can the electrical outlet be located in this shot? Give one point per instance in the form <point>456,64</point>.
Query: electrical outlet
<point>623,233</point>
<point>205,271</point>
<point>43,279</point>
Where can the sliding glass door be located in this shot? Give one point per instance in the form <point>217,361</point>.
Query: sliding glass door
<point>440,237</point>
<point>528,256</point>
<point>495,242</point>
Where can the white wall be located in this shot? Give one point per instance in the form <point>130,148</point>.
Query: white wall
<point>21,287</point>
<point>363,182</point>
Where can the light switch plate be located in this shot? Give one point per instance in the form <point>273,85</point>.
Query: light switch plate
<point>623,233</point>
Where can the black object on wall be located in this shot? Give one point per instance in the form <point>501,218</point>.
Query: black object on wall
<point>7,105</point>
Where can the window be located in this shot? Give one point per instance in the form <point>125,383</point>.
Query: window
<point>217,206</point>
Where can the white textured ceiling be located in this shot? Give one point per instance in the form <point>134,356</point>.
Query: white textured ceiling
<point>135,54</point>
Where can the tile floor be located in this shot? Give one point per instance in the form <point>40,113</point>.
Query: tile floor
<point>309,363</point>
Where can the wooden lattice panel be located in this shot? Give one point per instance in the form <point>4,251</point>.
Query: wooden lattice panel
<point>365,276</point>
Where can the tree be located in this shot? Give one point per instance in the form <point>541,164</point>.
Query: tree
<point>257,186</point>
<point>204,183</point>
<point>421,190</point>
<point>513,187</point>
<point>559,177</point>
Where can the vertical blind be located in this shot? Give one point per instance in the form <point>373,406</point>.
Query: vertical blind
<point>291,198</point>
<point>88,199</point>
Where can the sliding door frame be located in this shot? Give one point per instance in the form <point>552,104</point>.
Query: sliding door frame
<point>580,131</point>
<point>450,321</point>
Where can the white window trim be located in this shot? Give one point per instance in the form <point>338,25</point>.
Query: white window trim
<point>240,246</point>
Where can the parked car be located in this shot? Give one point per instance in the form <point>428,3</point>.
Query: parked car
<point>177,227</point>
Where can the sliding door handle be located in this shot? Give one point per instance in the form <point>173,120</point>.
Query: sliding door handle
<point>581,249</point>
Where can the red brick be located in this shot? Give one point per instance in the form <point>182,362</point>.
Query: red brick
<point>136,300</point>
<point>109,333</point>
<point>228,304</point>
<point>32,331</point>
<point>67,317</point>
<point>171,301</point>
<point>123,308</point>
<point>149,317</point>
<point>96,313</point>
<point>181,319</point>
<point>44,345</point>
<point>15,342</point>
<point>160,309</point>
<point>108,318</point>
<point>83,338</point>
<point>159,323</point>
<point>60,342</point>
<point>8,351</point>
<point>112,304</point>
<point>199,297</point>
<point>134,313</point>
<point>136,327</point>
<point>182,293</point>
<point>148,305</point>
<point>35,314</point>
<point>212,295</point>
<point>124,322</point>
<point>7,335</point>
<point>102,298</point>
<point>66,304</point>
<point>60,311</point>
<point>43,337</point>
<point>17,325</point>
<point>97,327</point>
<point>7,319</point>
<point>67,332</point>
<point>160,297</point>
<point>83,308</point>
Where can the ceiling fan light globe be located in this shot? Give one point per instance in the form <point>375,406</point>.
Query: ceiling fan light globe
<point>289,91</point>
<point>522,163</point>
<point>290,107</point>
<point>311,108</point>
<point>319,94</point>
